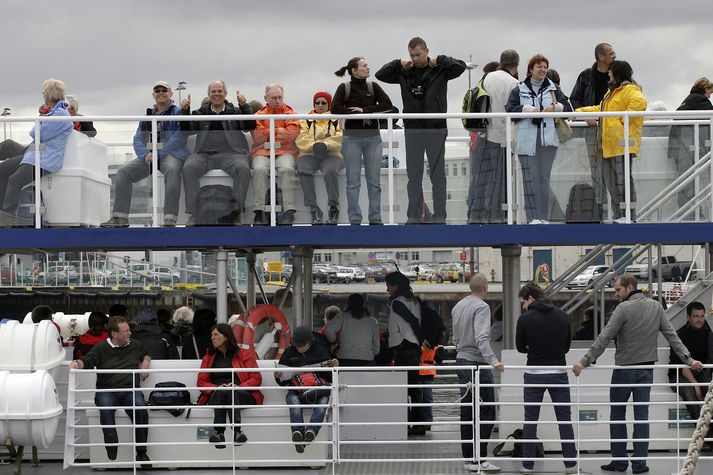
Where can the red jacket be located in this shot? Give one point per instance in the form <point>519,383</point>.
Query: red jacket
<point>241,359</point>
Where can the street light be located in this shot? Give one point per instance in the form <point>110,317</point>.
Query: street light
<point>5,113</point>
<point>181,87</point>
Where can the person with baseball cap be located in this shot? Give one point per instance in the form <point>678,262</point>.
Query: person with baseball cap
<point>320,145</point>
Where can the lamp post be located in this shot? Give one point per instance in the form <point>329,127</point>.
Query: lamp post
<point>5,113</point>
<point>181,87</point>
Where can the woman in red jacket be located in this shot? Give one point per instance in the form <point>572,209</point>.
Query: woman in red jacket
<point>225,354</point>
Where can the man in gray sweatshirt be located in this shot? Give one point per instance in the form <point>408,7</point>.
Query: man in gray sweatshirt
<point>635,323</point>
<point>471,336</point>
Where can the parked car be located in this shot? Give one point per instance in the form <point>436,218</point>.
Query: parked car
<point>120,276</point>
<point>350,274</point>
<point>165,275</point>
<point>411,272</point>
<point>7,275</point>
<point>323,273</point>
<point>640,270</point>
<point>60,275</point>
<point>590,274</point>
<point>449,273</point>
<point>378,272</point>
<point>425,271</point>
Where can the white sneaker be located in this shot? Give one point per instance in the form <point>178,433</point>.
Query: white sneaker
<point>535,221</point>
<point>620,220</point>
<point>527,470</point>
<point>571,469</point>
<point>485,467</point>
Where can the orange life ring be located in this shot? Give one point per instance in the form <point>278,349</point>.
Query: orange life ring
<point>244,330</point>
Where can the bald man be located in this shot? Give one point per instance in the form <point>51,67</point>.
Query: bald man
<point>471,336</point>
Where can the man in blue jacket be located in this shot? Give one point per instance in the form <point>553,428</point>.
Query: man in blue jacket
<point>172,153</point>
<point>424,88</point>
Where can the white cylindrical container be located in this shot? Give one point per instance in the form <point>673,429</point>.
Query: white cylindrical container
<point>71,325</point>
<point>30,347</point>
<point>29,408</point>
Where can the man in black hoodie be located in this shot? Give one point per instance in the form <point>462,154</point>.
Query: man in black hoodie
<point>157,342</point>
<point>543,333</point>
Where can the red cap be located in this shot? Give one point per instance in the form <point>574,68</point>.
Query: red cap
<point>325,95</point>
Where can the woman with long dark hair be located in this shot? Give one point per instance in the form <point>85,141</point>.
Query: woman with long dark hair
<point>362,140</point>
<point>195,347</point>
<point>624,94</point>
<point>356,332</point>
<point>224,353</point>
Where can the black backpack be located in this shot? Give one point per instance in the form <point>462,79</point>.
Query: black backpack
<point>215,205</point>
<point>582,206</point>
<point>171,397</point>
<point>476,100</point>
<point>431,327</point>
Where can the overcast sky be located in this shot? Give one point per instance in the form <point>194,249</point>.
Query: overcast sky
<point>110,53</point>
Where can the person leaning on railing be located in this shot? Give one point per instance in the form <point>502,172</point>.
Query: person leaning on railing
<point>18,171</point>
<point>624,94</point>
<point>635,323</point>
<point>537,139</point>
<point>225,353</point>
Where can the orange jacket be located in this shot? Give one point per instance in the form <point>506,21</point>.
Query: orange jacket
<point>286,131</point>
<point>428,358</point>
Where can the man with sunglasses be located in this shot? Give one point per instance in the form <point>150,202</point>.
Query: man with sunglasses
<point>171,154</point>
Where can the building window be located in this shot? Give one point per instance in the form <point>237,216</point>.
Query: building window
<point>448,195</point>
<point>464,169</point>
<point>327,257</point>
<point>317,258</point>
<point>415,256</point>
<point>455,169</point>
<point>446,171</point>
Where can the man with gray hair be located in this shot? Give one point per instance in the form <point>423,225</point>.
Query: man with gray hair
<point>87,126</point>
<point>171,151</point>
<point>490,176</point>
<point>471,336</point>
<point>635,323</point>
<point>220,144</point>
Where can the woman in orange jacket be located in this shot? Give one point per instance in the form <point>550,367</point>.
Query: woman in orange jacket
<point>225,353</point>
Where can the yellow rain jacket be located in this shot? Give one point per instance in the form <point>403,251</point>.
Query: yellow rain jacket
<point>326,131</point>
<point>627,97</point>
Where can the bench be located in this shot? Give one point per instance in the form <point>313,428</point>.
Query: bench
<point>268,445</point>
<point>665,404</point>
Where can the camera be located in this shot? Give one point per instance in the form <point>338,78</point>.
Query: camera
<point>417,91</point>
<point>537,121</point>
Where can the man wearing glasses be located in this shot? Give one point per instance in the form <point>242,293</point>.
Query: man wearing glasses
<point>171,154</point>
<point>119,352</point>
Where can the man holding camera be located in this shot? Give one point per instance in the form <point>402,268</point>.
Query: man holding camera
<point>424,87</point>
<point>320,145</point>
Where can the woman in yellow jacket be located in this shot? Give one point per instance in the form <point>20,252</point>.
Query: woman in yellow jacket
<point>624,95</point>
<point>320,145</point>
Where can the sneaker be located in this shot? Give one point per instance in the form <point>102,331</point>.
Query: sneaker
<point>116,222</point>
<point>191,222</point>
<point>333,215</point>
<point>218,440</point>
<point>239,437</point>
<point>643,469</point>
<point>111,452</point>
<point>287,218</point>
<point>143,458</point>
<point>376,223</point>
<point>621,220</point>
<point>260,219</point>
<point>416,430</point>
<point>355,223</point>
<point>572,469</point>
<point>486,467</point>
<point>316,216</point>
<point>297,438</point>
<point>535,221</point>
<point>527,470</point>
<point>612,467</point>
<point>309,436</point>
<point>169,223</point>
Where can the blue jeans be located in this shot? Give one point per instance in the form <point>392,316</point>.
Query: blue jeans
<point>296,398</point>
<point>641,413</point>
<point>106,416</point>
<point>353,149</point>
<point>487,410</point>
<point>559,393</point>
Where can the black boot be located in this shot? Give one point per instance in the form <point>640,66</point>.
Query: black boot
<point>333,215</point>
<point>287,218</point>
<point>259,219</point>
<point>317,215</point>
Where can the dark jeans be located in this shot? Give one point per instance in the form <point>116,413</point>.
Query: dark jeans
<point>13,177</point>
<point>297,398</point>
<point>307,165</point>
<point>107,416</point>
<point>487,409</point>
<point>409,354</point>
<point>559,393</point>
<point>688,393</point>
<point>613,172</point>
<point>432,142</point>
<point>641,414</point>
<point>237,397</point>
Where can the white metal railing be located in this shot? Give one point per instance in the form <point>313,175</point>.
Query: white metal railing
<point>692,118</point>
<point>669,437</point>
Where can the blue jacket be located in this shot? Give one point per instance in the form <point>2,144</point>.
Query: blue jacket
<point>169,134</point>
<point>53,135</point>
<point>527,130</point>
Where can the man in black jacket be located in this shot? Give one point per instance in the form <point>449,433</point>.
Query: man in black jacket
<point>424,88</point>
<point>219,144</point>
<point>158,343</point>
<point>543,333</point>
<point>589,90</point>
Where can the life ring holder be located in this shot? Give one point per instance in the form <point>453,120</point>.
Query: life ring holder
<point>244,329</point>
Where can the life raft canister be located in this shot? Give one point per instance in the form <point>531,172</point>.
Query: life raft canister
<point>244,329</point>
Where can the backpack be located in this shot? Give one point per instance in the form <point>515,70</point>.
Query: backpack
<point>431,328</point>
<point>582,206</point>
<point>516,451</point>
<point>348,89</point>
<point>215,205</point>
<point>476,100</point>
<point>171,397</point>
<point>25,213</point>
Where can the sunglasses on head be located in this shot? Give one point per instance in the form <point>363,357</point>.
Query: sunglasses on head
<point>160,89</point>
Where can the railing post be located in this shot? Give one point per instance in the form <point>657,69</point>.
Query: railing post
<point>71,420</point>
<point>336,447</point>
<point>627,172</point>
<point>508,169</point>
<point>475,411</point>
<point>273,182</point>
<point>390,137</point>
<point>710,169</point>
<point>38,175</point>
<point>697,155</point>
<point>221,286</point>
<point>154,172</point>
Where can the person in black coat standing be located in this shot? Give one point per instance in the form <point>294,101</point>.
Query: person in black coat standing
<point>543,333</point>
<point>681,140</point>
